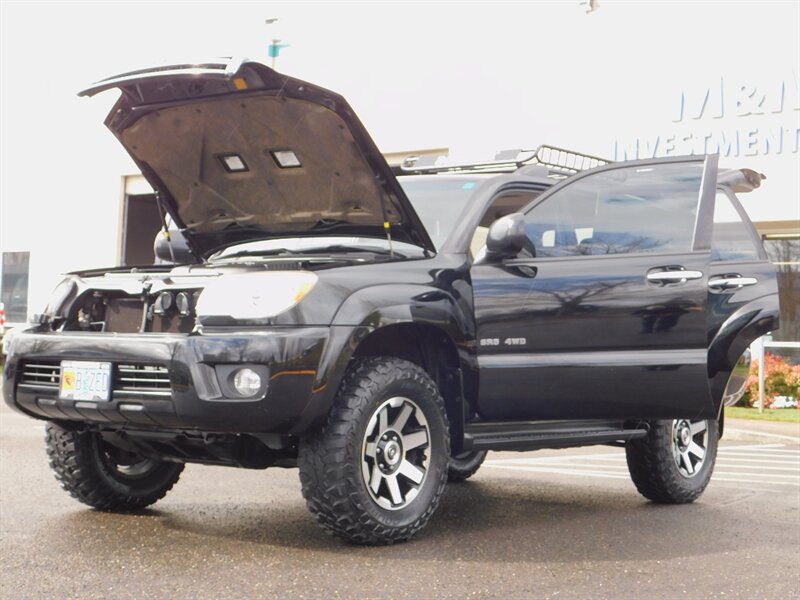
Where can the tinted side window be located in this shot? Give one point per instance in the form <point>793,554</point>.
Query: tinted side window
<point>632,209</point>
<point>731,238</point>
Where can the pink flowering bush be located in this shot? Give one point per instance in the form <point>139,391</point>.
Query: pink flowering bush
<point>780,379</point>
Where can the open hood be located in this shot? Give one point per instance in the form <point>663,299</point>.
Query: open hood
<point>238,152</point>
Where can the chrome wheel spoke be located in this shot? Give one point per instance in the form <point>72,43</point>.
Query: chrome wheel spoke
<point>394,489</point>
<point>370,449</point>
<point>375,479</point>
<point>697,450</point>
<point>415,440</point>
<point>383,420</point>
<point>687,462</point>
<point>415,474</point>
<point>697,427</point>
<point>402,418</point>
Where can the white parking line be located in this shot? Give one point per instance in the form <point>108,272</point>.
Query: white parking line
<point>759,453</point>
<point>771,477</point>
<point>558,471</point>
<point>775,447</point>
<point>774,464</point>
<point>624,467</point>
<point>775,436</point>
<point>757,461</point>
<point>792,483</point>
<point>794,468</point>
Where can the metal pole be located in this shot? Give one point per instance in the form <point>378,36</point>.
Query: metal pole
<point>269,22</point>
<point>761,355</point>
<point>274,53</point>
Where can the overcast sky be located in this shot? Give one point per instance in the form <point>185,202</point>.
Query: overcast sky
<point>467,75</point>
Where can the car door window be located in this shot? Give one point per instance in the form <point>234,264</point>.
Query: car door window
<point>731,237</point>
<point>636,209</point>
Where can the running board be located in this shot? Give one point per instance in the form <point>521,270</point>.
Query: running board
<point>548,434</point>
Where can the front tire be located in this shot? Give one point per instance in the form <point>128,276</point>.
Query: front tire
<point>105,478</point>
<point>674,462</point>
<point>376,471</point>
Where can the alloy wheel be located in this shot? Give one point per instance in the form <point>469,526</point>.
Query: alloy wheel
<point>689,439</point>
<point>394,455</point>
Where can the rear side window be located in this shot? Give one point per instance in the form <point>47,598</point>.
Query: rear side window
<point>731,238</point>
<point>641,209</point>
<point>439,202</point>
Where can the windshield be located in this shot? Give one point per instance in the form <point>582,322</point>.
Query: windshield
<point>439,201</point>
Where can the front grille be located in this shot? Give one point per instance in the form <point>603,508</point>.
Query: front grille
<point>128,379</point>
<point>141,380</point>
<point>41,375</point>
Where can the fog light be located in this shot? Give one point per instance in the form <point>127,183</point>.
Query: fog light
<point>247,382</point>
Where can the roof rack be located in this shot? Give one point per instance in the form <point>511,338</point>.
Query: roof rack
<point>559,163</point>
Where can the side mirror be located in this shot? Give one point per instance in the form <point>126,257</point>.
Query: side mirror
<point>506,237</point>
<point>175,250</point>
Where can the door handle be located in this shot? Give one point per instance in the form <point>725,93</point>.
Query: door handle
<point>673,275</point>
<point>731,282</point>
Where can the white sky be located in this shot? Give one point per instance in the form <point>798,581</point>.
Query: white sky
<point>477,77</point>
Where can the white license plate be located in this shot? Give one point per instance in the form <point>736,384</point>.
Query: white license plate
<point>84,380</point>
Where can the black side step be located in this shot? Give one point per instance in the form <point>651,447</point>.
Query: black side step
<point>547,434</point>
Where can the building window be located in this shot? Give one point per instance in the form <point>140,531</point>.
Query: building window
<point>14,289</point>
<point>784,251</point>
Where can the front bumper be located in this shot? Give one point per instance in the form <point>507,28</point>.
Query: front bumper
<point>195,398</point>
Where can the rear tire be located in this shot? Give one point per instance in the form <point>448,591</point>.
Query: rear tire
<point>465,465</point>
<point>104,477</point>
<point>674,462</point>
<point>376,471</point>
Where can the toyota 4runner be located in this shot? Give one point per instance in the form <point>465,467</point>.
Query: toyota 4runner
<point>381,329</point>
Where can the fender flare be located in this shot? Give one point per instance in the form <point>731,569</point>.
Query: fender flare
<point>371,309</point>
<point>739,330</point>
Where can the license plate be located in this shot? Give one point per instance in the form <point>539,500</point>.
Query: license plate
<point>84,380</point>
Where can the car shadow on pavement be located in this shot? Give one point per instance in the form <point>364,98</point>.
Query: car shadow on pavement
<point>504,519</point>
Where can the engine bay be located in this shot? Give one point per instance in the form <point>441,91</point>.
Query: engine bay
<point>169,311</point>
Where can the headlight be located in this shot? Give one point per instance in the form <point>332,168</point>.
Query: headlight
<point>254,295</point>
<point>59,296</point>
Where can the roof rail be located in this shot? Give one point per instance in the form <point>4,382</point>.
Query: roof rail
<point>565,162</point>
<point>559,163</point>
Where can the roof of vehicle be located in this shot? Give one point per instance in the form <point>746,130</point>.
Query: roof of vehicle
<point>545,161</point>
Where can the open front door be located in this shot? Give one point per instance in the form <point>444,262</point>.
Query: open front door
<point>608,319</point>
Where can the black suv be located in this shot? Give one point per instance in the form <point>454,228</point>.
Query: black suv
<point>382,332</point>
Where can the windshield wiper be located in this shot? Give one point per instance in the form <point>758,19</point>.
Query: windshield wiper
<point>316,251</point>
<point>271,252</point>
<point>345,248</point>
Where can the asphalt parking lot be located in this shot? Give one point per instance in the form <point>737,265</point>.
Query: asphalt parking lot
<point>565,524</point>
